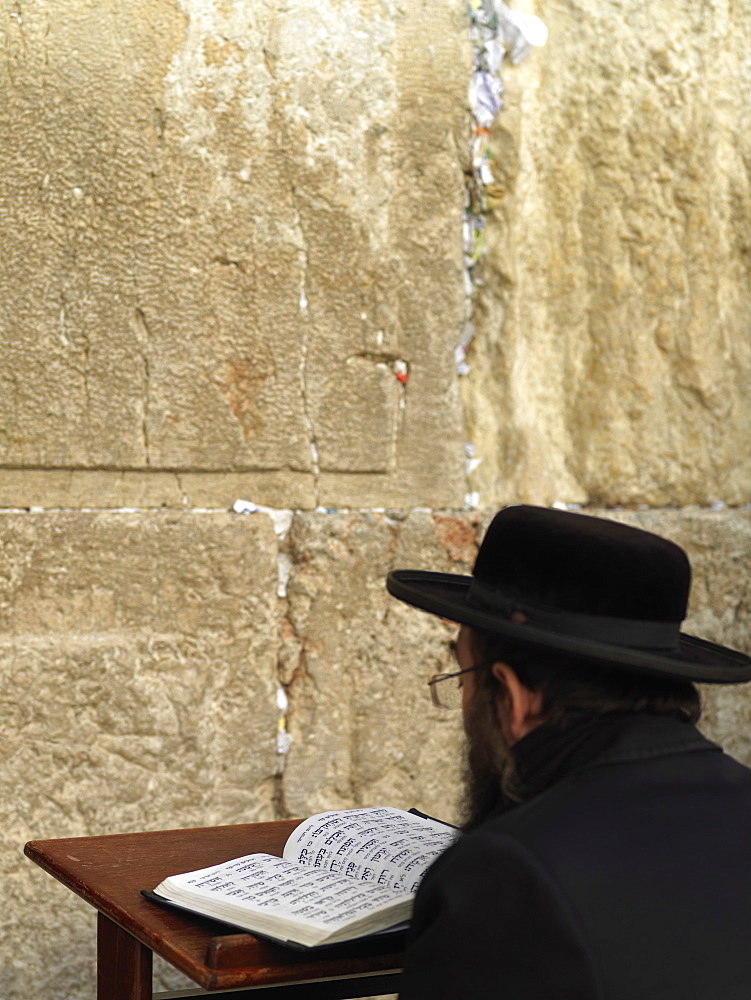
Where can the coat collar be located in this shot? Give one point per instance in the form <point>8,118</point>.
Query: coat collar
<point>546,756</point>
<point>653,736</point>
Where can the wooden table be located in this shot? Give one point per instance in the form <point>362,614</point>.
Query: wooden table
<point>110,872</point>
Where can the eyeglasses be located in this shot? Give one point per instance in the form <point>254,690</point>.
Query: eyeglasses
<point>450,695</point>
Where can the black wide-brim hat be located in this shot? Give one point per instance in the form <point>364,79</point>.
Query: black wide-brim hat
<point>585,586</point>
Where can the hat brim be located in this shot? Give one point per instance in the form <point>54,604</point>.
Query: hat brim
<point>445,595</point>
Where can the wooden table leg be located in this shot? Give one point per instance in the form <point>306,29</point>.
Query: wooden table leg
<point>123,964</point>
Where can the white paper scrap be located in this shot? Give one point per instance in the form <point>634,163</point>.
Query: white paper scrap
<point>281,518</point>
<point>485,91</point>
<point>518,31</point>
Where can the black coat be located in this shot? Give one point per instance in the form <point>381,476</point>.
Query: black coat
<point>629,879</point>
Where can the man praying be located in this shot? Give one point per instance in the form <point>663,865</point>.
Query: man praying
<point>607,849</point>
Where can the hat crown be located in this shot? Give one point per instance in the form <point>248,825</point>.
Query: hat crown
<point>568,562</point>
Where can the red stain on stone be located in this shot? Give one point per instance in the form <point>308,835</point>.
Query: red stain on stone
<point>458,537</point>
<point>242,380</point>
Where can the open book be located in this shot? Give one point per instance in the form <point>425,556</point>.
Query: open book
<point>343,874</point>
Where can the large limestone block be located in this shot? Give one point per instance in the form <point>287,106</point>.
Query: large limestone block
<point>355,663</point>
<point>149,311</point>
<point>227,228</point>
<point>613,356</point>
<point>105,488</point>
<point>138,673</point>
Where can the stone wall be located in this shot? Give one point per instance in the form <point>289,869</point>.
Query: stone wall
<point>221,247</point>
<point>612,362</point>
<point>232,268</point>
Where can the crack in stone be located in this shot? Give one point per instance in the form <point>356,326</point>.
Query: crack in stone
<point>83,368</point>
<point>305,346</point>
<point>62,318</point>
<point>143,335</point>
<point>286,632</point>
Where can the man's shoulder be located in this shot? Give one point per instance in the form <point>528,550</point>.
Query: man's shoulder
<point>657,770</point>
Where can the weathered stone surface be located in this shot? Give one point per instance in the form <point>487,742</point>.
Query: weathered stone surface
<point>283,489</point>
<point>138,674</point>
<point>223,227</point>
<point>44,488</point>
<point>355,662</point>
<point>613,357</point>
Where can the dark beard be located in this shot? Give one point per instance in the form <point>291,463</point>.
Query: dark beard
<point>489,769</point>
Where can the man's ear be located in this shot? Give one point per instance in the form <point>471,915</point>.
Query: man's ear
<point>519,708</point>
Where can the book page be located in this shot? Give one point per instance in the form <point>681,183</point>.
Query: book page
<point>275,890</point>
<point>383,845</point>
